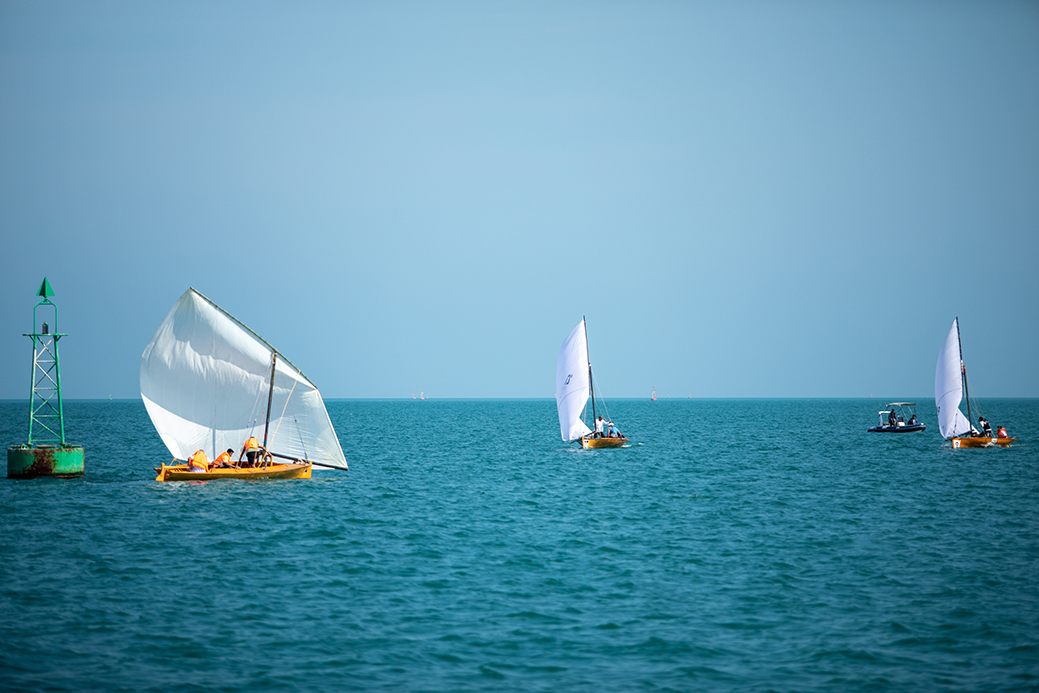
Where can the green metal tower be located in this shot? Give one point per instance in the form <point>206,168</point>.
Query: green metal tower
<point>46,453</point>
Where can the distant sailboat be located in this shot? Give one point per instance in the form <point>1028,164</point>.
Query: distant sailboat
<point>209,383</point>
<point>950,388</point>
<point>573,389</point>
<point>653,397</point>
<point>421,394</point>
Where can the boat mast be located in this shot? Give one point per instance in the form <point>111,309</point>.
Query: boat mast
<point>963,373</point>
<point>270,398</point>
<point>588,358</point>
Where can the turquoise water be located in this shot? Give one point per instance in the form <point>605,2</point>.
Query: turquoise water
<point>738,545</point>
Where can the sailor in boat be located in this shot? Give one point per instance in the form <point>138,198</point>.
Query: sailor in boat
<point>986,428</point>
<point>223,460</point>
<point>600,427</point>
<point>249,451</point>
<point>198,462</point>
<point>1001,432</point>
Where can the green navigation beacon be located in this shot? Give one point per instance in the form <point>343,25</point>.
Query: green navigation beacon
<point>45,453</point>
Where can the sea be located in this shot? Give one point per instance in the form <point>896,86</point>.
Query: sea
<point>734,545</point>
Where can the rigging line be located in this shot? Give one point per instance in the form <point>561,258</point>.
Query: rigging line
<point>605,409</point>
<point>294,383</point>
<point>257,403</point>
<point>251,421</point>
<point>302,443</point>
<point>973,400</point>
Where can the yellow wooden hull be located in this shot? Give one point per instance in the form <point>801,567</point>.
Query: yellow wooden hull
<point>981,442</point>
<point>602,442</point>
<point>179,472</point>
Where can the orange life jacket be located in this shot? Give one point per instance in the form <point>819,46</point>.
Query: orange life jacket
<point>252,444</point>
<point>1001,433</point>
<point>222,459</point>
<point>199,460</point>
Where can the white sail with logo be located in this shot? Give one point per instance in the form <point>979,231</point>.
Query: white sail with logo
<point>572,384</point>
<point>948,386</point>
<point>206,383</point>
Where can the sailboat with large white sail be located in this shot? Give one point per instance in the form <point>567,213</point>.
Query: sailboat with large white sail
<point>210,383</point>
<point>950,388</point>
<point>574,387</point>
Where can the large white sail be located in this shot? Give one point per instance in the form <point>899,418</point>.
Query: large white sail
<point>572,386</point>
<point>205,381</point>
<point>948,386</point>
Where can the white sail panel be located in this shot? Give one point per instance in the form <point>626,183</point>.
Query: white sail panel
<point>572,386</point>
<point>948,386</point>
<point>205,381</point>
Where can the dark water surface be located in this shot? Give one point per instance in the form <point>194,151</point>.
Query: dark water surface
<point>737,545</point>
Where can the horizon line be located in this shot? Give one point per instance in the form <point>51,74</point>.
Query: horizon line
<point>646,399</point>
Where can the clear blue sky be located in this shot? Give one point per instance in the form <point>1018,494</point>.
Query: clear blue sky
<point>745,199</point>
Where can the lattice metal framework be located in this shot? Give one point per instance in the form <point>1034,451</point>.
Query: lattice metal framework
<point>46,416</point>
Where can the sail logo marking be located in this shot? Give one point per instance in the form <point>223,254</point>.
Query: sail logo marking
<point>567,382</point>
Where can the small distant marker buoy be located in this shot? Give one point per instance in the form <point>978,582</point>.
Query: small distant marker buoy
<point>46,453</point>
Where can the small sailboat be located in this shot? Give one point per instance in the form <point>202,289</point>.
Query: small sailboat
<point>653,397</point>
<point>574,387</point>
<point>950,388</point>
<point>422,394</point>
<point>209,383</point>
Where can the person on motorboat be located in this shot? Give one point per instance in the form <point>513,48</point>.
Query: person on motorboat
<point>892,418</point>
<point>913,421</point>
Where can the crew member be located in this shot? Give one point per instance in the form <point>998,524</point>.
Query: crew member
<point>224,459</point>
<point>986,428</point>
<point>249,450</point>
<point>600,426</point>
<point>198,462</point>
<point>892,417</point>
<point>1001,432</point>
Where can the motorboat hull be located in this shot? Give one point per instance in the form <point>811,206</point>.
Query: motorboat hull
<point>897,429</point>
<point>180,472</point>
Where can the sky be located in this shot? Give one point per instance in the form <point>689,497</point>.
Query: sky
<point>745,199</point>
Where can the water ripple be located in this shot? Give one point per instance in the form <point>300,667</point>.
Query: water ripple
<point>755,558</point>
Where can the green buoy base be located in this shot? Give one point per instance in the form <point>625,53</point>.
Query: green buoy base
<point>64,461</point>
